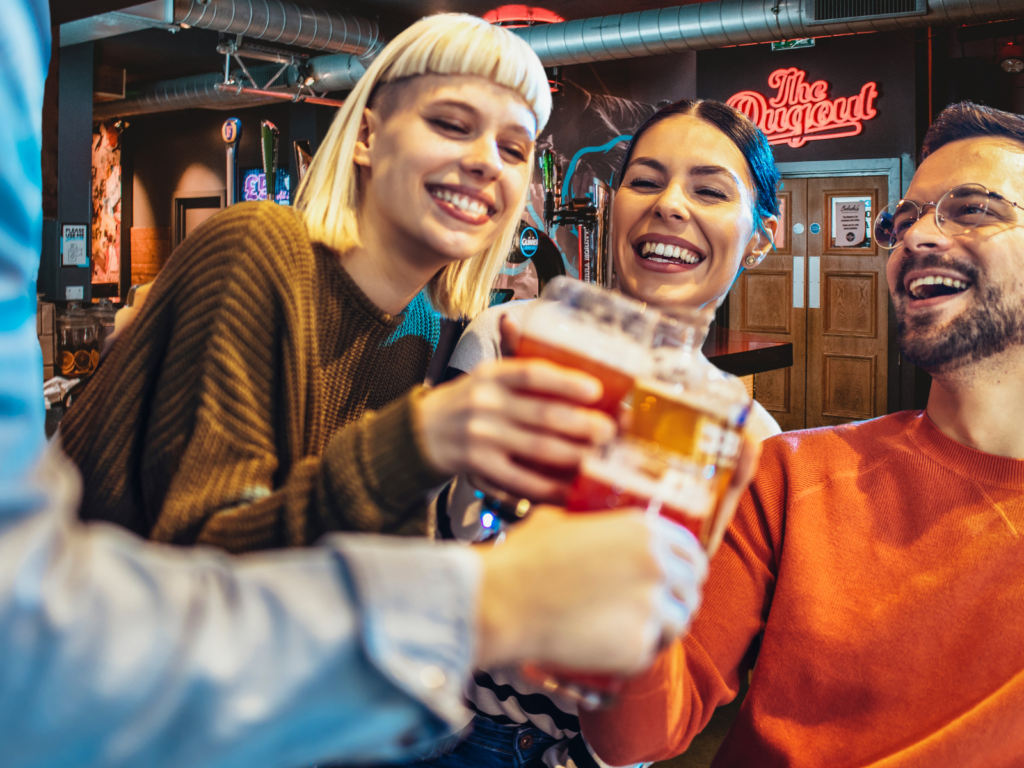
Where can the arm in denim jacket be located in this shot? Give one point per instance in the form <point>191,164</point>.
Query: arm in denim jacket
<point>116,652</point>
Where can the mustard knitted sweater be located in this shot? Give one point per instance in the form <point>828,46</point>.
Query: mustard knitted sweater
<point>259,399</point>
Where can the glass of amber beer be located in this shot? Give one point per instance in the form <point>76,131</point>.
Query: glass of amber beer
<point>631,473</point>
<point>640,473</point>
<point>594,330</point>
<point>688,406</point>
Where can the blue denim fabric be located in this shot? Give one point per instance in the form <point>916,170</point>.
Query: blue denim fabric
<point>116,653</point>
<point>491,745</point>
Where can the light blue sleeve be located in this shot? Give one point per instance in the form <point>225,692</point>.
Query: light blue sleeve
<point>115,652</point>
<point>118,652</point>
<point>24,57</point>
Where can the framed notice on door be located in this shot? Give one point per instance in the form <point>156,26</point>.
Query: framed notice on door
<point>848,222</point>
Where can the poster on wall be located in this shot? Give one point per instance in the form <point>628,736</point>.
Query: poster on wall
<point>106,203</point>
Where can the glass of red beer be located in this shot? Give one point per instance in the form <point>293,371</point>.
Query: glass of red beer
<point>632,473</point>
<point>593,330</point>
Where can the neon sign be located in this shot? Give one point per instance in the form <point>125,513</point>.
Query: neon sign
<point>800,111</point>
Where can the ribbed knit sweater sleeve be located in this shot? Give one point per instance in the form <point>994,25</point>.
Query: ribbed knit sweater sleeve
<point>203,424</point>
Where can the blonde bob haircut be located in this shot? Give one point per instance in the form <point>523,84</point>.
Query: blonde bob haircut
<point>446,44</point>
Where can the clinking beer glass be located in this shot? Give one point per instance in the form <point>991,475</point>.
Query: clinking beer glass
<point>592,330</point>
<point>631,473</point>
<point>687,405</point>
<point>676,459</point>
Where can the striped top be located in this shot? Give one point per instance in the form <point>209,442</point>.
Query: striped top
<point>259,399</point>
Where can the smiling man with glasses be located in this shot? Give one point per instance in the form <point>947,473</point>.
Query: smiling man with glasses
<point>882,563</point>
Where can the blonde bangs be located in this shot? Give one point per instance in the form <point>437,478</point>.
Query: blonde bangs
<point>446,44</point>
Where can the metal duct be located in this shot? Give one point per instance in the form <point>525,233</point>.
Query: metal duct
<point>187,93</point>
<point>272,20</point>
<point>338,72</point>
<point>715,24</point>
<point>282,22</point>
<point>723,23</point>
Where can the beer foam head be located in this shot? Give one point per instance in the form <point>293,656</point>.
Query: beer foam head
<point>594,323</point>
<point>631,467</point>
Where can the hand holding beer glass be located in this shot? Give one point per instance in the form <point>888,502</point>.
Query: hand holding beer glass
<point>581,326</point>
<point>683,438</point>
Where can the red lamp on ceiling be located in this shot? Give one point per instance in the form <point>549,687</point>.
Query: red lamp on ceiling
<point>521,16</point>
<point>512,16</point>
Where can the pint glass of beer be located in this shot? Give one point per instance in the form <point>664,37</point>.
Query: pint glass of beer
<point>639,474</point>
<point>594,330</point>
<point>688,406</point>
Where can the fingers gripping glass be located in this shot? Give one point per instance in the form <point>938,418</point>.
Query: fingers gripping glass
<point>958,211</point>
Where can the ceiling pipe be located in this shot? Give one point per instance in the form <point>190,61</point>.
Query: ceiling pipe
<point>280,95</point>
<point>284,23</point>
<point>726,23</point>
<point>199,91</point>
<point>338,72</point>
<point>715,24</point>
<point>277,21</point>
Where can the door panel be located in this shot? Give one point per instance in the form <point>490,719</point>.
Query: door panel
<point>764,301</point>
<point>847,328</point>
<point>823,290</point>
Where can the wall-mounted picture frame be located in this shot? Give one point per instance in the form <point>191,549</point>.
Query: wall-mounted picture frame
<point>190,209</point>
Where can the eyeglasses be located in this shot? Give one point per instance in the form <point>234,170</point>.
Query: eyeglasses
<point>958,211</point>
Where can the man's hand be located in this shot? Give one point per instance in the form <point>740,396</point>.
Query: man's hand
<point>599,592</point>
<point>504,413</point>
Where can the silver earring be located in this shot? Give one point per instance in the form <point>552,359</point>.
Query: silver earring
<point>751,260</point>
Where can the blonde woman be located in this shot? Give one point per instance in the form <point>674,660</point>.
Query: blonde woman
<point>268,390</point>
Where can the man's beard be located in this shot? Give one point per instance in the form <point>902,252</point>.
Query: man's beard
<point>991,325</point>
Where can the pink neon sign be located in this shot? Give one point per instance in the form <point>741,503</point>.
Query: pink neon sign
<point>800,111</point>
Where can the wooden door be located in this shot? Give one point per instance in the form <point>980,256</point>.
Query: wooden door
<point>823,289</point>
<point>847,308</point>
<point>770,301</point>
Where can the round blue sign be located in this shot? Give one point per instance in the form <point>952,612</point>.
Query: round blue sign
<point>815,229</point>
<point>528,242</point>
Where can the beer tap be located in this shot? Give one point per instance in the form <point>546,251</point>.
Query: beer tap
<point>580,212</point>
<point>550,183</point>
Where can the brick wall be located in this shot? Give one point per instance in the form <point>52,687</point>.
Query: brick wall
<point>150,248</point>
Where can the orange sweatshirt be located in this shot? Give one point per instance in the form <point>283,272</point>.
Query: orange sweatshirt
<point>884,564</point>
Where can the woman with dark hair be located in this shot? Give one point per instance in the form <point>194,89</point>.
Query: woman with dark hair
<point>695,205</point>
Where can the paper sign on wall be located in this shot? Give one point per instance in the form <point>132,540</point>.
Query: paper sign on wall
<point>72,245</point>
<point>849,222</point>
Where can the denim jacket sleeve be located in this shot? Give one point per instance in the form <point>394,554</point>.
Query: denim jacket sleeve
<point>117,652</point>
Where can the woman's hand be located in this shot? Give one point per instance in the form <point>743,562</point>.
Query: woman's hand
<point>504,413</point>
